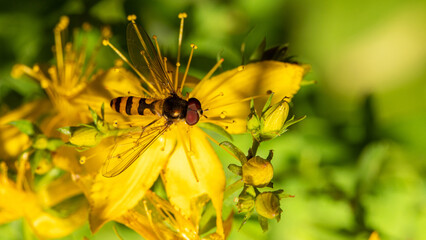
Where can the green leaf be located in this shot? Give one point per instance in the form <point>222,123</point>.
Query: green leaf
<point>25,126</point>
<point>235,150</point>
<point>215,128</point>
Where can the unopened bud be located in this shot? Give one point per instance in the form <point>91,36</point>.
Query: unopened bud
<point>85,137</point>
<point>268,205</point>
<point>44,165</point>
<point>273,120</point>
<point>257,172</point>
<point>245,202</point>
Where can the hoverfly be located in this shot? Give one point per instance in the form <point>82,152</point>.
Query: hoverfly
<point>168,104</point>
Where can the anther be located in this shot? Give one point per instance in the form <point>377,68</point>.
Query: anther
<point>240,68</point>
<point>182,15</point>
<point>131,17</point>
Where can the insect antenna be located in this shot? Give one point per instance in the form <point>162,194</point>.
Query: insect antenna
<point>106,42</point>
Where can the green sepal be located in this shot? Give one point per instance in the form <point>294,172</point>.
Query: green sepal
<point>235,150</point>
<point>235,169</point>
<point>290,122</point>
<point>94,115</point>
<point>246,217</point>
<point>263,221</point>
<point>267,104</point>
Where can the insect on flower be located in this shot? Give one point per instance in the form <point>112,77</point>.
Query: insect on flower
<point>165,99</point>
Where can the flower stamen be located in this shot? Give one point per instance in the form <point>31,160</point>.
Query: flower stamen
<point>106,42</point>
<point>210,73</point>
<point>182,16</point>
<point>60,27</point>
<point>193,47</point>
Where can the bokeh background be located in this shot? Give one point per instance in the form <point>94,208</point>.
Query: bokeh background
<point>355,165</point>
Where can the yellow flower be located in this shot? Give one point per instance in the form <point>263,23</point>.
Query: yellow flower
<point>181,154</point>
<point>71,84</point>
<point>52,211</point>
<point>156,218</point>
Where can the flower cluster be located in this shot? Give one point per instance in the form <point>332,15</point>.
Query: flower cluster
<point>104,161</point>
<point>257,172</point>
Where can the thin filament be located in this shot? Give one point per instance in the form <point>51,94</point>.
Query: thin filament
<point>193,47</point>
<point>182,16</point>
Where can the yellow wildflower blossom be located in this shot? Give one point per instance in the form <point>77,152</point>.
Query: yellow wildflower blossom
<point>43,209</point>
<point>175,148</point>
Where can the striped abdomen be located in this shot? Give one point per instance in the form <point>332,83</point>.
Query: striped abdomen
<point>136,106</point>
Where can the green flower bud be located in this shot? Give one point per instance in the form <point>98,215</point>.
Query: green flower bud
<point>86,137</point>
<point>273,120</point>
<point>44,165</point>
<point>40,142</point>
<point>245,202</point>
<point>268,205</point>
<point>257,172</point>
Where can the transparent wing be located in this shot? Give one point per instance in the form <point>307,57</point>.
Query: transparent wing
<point>130,147</point>
<point>145,57</point>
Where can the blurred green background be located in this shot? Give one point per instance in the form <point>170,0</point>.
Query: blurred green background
<point>356,164</point>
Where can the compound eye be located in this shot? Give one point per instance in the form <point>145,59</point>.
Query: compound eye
<point>194,104</point>
<point>193,112</point>
<point>192,117</point>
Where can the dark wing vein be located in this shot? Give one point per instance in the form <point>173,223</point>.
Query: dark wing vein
<point>127,150</point>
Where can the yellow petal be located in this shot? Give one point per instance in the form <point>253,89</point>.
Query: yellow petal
<point>225,96</point>
<point>156,218</point>
<point>58,190</point>
<point>112,197</point>
<point>12,141</point>
<point>46,225</point>
<point>183,189</point>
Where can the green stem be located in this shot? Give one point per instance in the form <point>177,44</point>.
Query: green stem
<point>253,149</point>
